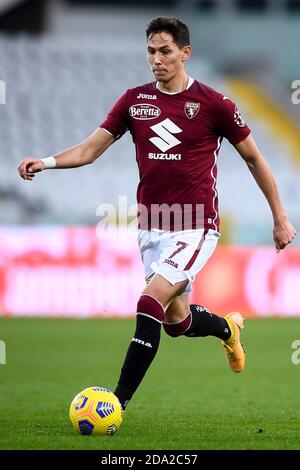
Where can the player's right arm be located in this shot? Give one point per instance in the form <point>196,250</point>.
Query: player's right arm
<point>82,154</point>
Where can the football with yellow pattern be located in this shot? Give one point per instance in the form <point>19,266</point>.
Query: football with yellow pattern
<point>95,410</point>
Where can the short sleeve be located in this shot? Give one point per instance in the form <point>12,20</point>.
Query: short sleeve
<point>230,123</point>
<point>117,120</point>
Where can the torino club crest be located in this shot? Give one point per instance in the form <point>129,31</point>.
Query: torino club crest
<point>191,109</point>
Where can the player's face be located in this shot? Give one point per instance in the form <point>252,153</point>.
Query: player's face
<point>166,59</point>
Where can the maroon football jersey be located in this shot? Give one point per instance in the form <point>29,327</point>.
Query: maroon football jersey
<point>177,139</point>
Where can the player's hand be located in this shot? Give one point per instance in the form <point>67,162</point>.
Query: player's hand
<point>29,166</point>
<point>283,234</point>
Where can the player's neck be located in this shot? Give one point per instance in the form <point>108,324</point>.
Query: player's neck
<point>177,85</point>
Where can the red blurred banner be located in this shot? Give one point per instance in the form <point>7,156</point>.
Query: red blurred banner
<point>58,271</point>
<point>254,281</point>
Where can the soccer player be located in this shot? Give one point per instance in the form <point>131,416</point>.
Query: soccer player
<point>177,125</point>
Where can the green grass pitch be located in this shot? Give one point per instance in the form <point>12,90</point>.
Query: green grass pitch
<point>189,398</point>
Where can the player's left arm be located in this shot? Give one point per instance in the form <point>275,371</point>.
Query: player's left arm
<point>283,232</point>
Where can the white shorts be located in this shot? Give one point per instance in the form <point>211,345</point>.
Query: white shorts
<point>177,256</point>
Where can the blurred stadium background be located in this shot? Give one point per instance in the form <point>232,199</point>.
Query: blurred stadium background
<point>62,66</point>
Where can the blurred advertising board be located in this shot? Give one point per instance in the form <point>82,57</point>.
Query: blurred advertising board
<point>58,271</point>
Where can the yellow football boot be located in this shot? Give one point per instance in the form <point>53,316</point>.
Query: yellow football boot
<point>233,348</point>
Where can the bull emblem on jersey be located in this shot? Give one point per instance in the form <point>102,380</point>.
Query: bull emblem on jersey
<point>191,109</point>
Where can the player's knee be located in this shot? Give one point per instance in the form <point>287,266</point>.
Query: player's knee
<point>148,305</point>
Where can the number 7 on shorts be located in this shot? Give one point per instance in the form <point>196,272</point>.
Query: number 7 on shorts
<point>181,247</point>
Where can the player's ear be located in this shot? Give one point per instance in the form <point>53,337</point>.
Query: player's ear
<point>186,53</point>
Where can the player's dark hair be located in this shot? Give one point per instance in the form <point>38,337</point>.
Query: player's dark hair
<point>173,26</point>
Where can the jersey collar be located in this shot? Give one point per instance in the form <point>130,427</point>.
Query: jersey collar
<point>189,84</point>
